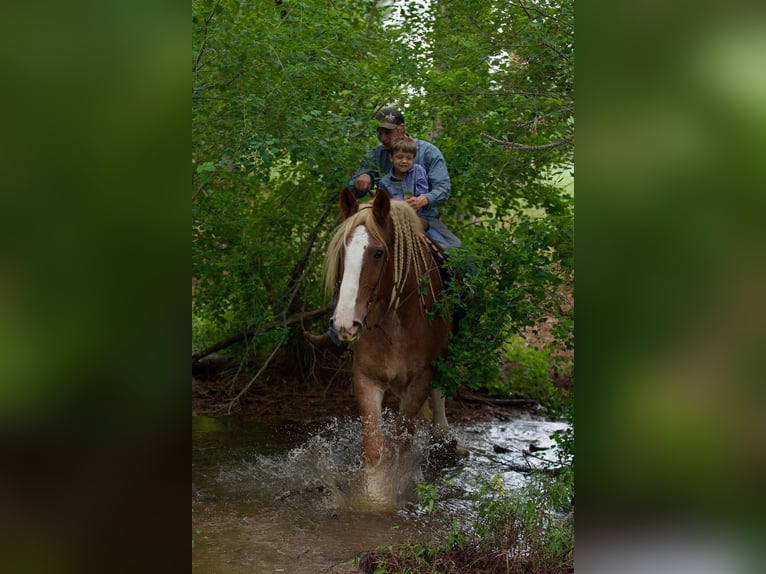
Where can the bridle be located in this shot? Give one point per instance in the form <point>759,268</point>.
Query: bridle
<point>374,297</point>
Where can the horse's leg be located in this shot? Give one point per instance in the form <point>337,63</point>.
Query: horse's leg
<point>369,399</point>
<point>439,427</point>
<point>448,449</point>
<point>411,401</point>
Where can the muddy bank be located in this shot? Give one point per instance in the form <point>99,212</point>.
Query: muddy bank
<point>328,394</point>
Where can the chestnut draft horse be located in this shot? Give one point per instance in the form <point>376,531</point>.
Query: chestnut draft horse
<point>380,267</point>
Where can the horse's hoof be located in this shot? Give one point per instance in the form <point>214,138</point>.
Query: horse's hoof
<point>446,453</point>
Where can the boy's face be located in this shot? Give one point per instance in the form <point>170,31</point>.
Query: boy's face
<point>402,161</point>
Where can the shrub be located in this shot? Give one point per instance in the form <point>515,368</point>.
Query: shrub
<point>507,280</point>
<point>526,373</point>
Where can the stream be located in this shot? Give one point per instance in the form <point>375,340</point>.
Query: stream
<point>272,495</point>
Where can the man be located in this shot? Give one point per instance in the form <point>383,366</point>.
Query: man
<point>375,164</point>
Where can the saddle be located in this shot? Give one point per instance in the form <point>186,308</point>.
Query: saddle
<point>440,258</point>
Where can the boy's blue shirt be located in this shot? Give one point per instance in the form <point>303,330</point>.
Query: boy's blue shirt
<point>414,182</point>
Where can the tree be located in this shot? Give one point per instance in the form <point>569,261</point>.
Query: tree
<point>282,103</point>
<point>280,110</point>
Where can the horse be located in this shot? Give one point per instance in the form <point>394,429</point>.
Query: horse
<point>380,268</point>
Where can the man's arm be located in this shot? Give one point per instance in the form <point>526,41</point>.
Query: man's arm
<point>367,173</point>
<point>421,184</point>
<point>438,176</point>
<point>419,199</point>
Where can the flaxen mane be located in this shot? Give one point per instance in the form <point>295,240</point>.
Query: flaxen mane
<point>410,252</point>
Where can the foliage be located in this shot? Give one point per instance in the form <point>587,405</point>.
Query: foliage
<point>525,530</point>
<point>508,281</point>
<point>282,99</point>
<point>565,441</point>
<point>527,372</point>
<point>427,493</point>
<point>280,106</point>
<point>498,71</point>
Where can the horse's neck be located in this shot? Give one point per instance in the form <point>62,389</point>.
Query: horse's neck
<point>415,293</point>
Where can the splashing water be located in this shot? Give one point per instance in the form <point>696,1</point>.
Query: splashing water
<point>329,463</point>
<point>273,495</point>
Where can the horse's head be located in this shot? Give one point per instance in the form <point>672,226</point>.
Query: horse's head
<point>362,246</point>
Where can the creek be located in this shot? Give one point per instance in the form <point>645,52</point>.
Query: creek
<point>272,495</point>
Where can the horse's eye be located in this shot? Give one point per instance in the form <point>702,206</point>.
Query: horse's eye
<point>378,254</point>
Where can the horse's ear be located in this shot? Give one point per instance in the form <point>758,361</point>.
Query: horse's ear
<point>381,206</point>
<point>348,203</point>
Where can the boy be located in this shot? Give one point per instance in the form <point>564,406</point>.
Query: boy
<point>408,181</point>
<point>377,161</point>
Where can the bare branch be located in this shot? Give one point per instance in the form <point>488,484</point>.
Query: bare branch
<point>514,145</point>
<point>494,92</point>
<point>534,8</point>
<point>204,40</point>
<point>255,377</point>
<point>307,316</point>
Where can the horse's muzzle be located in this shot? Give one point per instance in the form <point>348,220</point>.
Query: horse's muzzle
<point>348,334</point>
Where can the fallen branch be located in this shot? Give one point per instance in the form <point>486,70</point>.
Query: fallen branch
<point>527,468</point>
<point>497,402</point>
<point>297,318</point>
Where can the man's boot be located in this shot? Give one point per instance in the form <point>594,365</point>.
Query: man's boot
<point>324,341</point>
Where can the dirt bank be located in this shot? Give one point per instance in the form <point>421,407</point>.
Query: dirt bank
<point>328,394</point>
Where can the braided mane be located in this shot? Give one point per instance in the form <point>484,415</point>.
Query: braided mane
<point>408,254</point>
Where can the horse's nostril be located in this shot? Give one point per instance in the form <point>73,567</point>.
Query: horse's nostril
<point>332,322</point>
<point>357,326</point>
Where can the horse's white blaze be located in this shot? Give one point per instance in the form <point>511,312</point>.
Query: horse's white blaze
<point>349,286</point>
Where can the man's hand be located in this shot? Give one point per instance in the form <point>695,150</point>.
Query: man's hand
<point>363,183</point>
<point>417,202</point>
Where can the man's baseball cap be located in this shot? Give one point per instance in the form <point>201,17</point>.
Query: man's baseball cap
<point>389,118</point>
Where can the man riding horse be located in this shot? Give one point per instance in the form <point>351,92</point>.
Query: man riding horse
<point>378,163</point>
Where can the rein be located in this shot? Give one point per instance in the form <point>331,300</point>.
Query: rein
<point>371,301</point>
<point>374,294</point>
<point>373,297</point>
<point>395,296</point>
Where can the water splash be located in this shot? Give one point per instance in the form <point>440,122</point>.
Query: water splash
<point>274,495</point>
<point>328,467</point>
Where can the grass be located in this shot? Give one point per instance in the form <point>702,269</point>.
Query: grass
<point>530,530</point>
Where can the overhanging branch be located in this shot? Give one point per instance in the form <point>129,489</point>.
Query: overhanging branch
<point>514,145</point>
<point>297,318</point>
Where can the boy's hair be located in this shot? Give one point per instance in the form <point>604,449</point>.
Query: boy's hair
<point>405,144</point>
